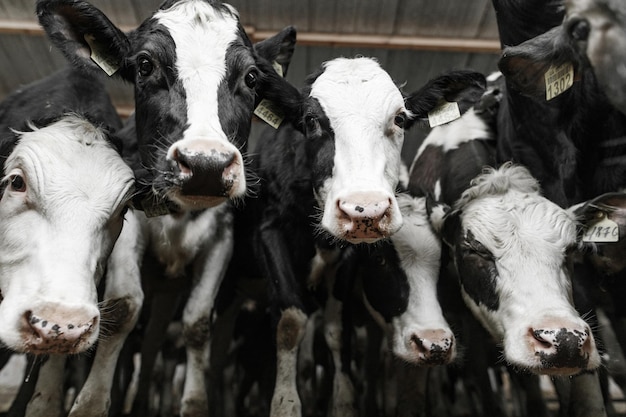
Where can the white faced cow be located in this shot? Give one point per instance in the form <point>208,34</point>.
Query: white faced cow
<point>399,279</point>
<point>509,246</point>
<point>335,180</point>
<point>65,191</point>
<point>197,78</point>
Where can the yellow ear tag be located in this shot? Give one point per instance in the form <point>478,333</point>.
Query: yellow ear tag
<point>558,80</point>
<point>443,114</point>
<point>269,113</point>
<point>278,68</point>
<point>603,231</point>
<point>107,65</point>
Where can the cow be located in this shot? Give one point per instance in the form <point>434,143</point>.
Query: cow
<point>327,178</point>
<point>507,241</point>
<point>197,78</point>
<point>65,193</point>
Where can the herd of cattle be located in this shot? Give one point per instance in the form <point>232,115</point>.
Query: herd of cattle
<point>316,274</point>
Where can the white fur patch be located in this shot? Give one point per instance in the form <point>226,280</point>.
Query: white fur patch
<point>202,36</point>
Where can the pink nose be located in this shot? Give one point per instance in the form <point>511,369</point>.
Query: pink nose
<point>62,331</point>
<point>365,215</point>
<point>433,347</point>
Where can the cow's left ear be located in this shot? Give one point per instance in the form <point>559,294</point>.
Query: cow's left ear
<point>605,211</point>
<point>278,48</point>
<point>462,87</point>
<point>525,66</point>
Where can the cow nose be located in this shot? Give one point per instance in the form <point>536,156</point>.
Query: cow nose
<point>207,172</point>
<point>365,215</point>
<point>562,347</point>
<point>61,331</point>
<point>433,346</point>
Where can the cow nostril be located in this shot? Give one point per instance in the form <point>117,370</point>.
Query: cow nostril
<point>418,344</point>
<point>539,337</point>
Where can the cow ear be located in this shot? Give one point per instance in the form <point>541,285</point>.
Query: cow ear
<point>609,207</point>
<point>463,87</point>
<point>525,65</point>
<point>86,37</point>
<point>278,48</point>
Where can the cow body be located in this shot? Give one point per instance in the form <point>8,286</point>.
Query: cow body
<point>197,78</point>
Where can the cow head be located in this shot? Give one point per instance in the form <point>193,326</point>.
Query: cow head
<point>399,278</point>
<point>196,77</point>
<point>354,117</point>
<point>64,194</point>
<point>509,247</point>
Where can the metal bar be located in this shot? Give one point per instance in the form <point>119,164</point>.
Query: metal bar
<point>472,45</point>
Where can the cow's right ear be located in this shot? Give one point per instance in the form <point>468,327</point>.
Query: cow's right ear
<point>462,87</point>
<point>524,66</point>
<point>279,48</point>
<point>84,34</point>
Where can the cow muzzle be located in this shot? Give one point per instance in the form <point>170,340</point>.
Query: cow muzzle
<point>365,217</point>
<point>206,173</point>
<point>56,329</point>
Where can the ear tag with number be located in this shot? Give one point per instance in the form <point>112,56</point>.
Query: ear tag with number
<point>443,114</point>
<point>269,113</point>
<point>603,231</point>
<point>558,80</point>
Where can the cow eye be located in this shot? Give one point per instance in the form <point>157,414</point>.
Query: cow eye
<point>17,183</point>
<point>479,249</point>
<point>144,66</point>
<point>579,29</point>
<point>311,123</point>
<point>251,79</point>
<point>400,120</point>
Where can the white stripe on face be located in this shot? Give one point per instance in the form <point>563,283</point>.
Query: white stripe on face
<point>202,36</point>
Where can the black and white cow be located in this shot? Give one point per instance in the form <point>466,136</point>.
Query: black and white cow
<point>335,179</point>
<point>197,77</point>
<point>508,242</point>
<point>65,193</point>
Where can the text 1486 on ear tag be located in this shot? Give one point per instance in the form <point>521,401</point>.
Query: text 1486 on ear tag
<point>269,113</point>
<point>443,114</point>
<point>558,80</point>
<point>106,63</point>
<point>604,231</point>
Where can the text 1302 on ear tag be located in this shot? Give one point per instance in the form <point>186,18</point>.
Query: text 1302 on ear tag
<point>604,231</point>
<point>558,80</point>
